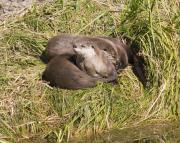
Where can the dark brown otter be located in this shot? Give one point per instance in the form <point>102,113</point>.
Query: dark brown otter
<point>62,73</point>
<point>131,48</point>
<point>120,55</point>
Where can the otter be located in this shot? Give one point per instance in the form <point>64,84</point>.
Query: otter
<point>134,59</point>
<point>123,51</point>
<point>120,53</point>
<point>62,73</point>
<point>94,61</point>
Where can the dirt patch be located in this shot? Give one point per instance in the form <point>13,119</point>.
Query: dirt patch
<point>16,7</point>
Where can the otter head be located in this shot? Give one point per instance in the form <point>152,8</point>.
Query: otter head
<point>84,50</point>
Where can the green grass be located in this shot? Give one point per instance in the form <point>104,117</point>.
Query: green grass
<point>30,109</point>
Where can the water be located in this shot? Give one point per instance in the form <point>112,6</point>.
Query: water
<point>153,133</point>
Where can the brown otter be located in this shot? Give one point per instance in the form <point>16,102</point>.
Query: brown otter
<point>132,49</point>
<point>62,73</point>
<point>93,61</point>
<point>120,53</point>
<point>60,49</point>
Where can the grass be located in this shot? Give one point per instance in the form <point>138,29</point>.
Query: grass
<point>29,109</point>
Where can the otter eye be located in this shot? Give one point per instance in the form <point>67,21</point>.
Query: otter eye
<point>92,46</point>
<point>105,49</point>
<point>82,45</point>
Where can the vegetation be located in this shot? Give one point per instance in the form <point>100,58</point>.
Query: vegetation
<point>29,108</point>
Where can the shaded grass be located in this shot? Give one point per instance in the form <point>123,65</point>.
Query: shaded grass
<point>29,108</point>
<point>158,34</point>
